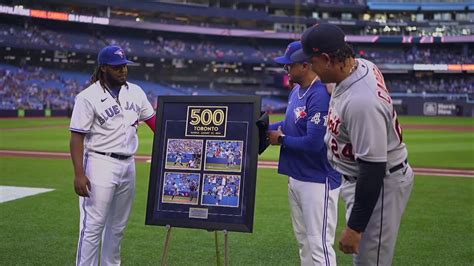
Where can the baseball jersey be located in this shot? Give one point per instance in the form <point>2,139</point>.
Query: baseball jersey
<point>110,125</point>
<point>303,153</point>
<point>363,123</point>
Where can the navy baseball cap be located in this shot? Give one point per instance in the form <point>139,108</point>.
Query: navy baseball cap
<point>112,55</point>
<point>287,58</point>
<point>320,38</point>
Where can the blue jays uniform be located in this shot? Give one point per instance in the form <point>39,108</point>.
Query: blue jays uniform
<point>303,152</point>
<point>313,187</point>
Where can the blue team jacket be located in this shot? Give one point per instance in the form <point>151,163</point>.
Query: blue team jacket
<point>303,154</point>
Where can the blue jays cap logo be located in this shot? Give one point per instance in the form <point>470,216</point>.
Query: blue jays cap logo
<point>113,55</point>
<point>120,53</point>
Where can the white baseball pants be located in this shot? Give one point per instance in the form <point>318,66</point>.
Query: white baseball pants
<point>314,216</point>
<point>104,215</point>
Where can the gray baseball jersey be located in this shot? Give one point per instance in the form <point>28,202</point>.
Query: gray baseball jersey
<point>362,122</point>
<point>363,125</point>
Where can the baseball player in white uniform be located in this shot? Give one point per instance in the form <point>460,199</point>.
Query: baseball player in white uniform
<point>103,127</point>
<point>365,144</point>
<point>230,159</point>
<point>220,193</point>
<point>175,190</point>
<point>179,158</point>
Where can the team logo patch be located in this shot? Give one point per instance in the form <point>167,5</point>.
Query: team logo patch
<point>119,53</point>
<point>300,112</point>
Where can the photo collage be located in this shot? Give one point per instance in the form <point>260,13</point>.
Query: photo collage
<point>203,172</point>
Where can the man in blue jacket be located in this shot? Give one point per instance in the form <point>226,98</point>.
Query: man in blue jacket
<point>313,187</point>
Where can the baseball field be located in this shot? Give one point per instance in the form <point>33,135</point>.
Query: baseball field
<point>437,228</point>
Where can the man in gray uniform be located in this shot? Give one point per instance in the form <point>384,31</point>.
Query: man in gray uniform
<point>365,144</point>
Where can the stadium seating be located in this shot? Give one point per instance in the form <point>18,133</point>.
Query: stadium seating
<point>225,50</point>
<point>56,89</point>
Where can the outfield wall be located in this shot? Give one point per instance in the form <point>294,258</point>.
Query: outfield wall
<point>432,106</point>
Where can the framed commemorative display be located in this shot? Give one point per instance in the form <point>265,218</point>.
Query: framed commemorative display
<point>204,163</point>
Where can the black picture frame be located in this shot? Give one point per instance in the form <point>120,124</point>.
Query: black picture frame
<point>226,194</point>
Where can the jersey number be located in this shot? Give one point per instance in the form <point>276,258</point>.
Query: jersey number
<point>346,151</point>
<point>397,126</point>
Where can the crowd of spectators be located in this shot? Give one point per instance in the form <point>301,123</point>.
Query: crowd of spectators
<point>37,37</point>
<point>445,84</point>
<point>148,46</point>
<point>38,88</point>
<point>33,88</point>
<point>192,147</point>
<point>420,55</point>
<point>171,46</point>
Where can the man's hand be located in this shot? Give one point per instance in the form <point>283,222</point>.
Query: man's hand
<point>350,241</point>
<point>273,136</point>
<point>82,186</point>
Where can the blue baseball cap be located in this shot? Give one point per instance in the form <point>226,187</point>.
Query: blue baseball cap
<point>288,57</point>
<point>320,38</point>
<point>112,55</point>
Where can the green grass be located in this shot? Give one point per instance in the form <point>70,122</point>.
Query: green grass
<point>180,199</point>
<point>437,120</point>
<point>440,148</point>
<point>32,122</point>
<point>39,139</point>
<point>222,167</point>
<point>445,149</point>
<point>426,148</point>
<point>437,228</point>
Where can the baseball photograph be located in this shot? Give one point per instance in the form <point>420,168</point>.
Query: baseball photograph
<point>184,154</point>
<point>181,188</point>
<point>223,155</point>
<point>221,190</point>
<point>237,132</point>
